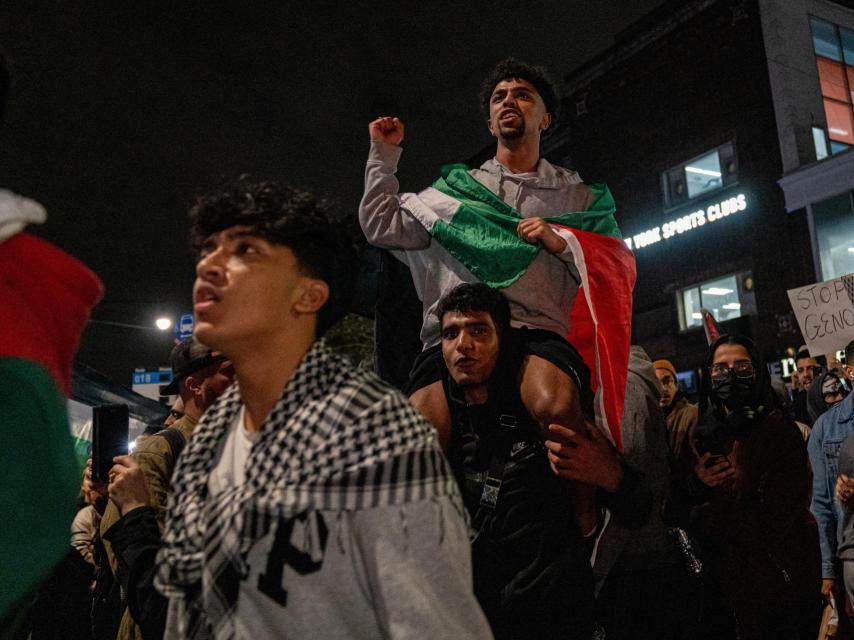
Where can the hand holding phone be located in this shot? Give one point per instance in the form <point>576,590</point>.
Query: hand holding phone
<point>715,459</point>
<point>713,470</point>
<point>109,438</point>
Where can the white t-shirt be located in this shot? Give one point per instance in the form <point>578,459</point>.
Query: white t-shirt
<point>230,469</point>
<point>370,562</point>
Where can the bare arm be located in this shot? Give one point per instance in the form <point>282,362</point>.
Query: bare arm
<point>383,221</point>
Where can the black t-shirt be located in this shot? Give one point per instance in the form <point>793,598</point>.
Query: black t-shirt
<point>532,573</point>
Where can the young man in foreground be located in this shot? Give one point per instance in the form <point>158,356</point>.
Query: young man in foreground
<point>312,501</point>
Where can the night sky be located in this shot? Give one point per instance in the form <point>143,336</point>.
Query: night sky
<point>121,111</point>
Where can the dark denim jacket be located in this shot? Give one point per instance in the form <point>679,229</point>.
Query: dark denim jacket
<point>828,434</point>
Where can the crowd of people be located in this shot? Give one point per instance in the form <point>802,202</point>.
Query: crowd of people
<point>293,494</point>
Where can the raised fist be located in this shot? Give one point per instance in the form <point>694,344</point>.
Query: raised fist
<point>386,129</point>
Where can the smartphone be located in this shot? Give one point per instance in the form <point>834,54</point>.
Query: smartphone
<point>109,438</point>
<point>713,460</point>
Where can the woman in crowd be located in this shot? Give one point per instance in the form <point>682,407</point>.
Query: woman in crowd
<point>743,496</point>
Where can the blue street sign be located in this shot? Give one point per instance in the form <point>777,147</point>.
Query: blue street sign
<point>184,328</point>
<point>152,377</point>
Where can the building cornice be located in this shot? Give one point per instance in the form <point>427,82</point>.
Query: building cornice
<point>818,181</point>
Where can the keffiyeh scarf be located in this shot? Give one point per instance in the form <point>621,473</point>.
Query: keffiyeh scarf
<point>338,439</point>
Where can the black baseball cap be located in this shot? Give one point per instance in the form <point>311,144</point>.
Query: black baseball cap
<point>187,357</point>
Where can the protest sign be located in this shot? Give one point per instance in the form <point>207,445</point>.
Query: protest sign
<point>825,313</point>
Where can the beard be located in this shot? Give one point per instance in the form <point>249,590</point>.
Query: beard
<point>209,395</point>
<point>511,132</point>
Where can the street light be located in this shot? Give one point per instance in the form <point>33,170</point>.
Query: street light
<point>164,324</point>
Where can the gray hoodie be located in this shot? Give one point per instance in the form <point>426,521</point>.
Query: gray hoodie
<point>540,299</point>
<point>624,548</point>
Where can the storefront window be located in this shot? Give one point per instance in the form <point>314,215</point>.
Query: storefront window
<point>834,230</point>
<point>704,174</point>
<point>726,298</point>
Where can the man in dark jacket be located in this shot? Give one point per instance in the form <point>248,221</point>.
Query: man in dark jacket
<point>744,499</point>
<point>140,484</point>
<point>679,414</point>
<point>529,553</point>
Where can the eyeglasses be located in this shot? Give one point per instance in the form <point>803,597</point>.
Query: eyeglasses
<point>741,370</point>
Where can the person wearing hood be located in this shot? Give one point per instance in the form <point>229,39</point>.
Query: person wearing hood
<point>826,391</point>
<point>637,554</point>
<point>744,499</point>
<point>679,414</point>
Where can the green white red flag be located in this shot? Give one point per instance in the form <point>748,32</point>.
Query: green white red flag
<point>45,299</point>
<point>479,229</point>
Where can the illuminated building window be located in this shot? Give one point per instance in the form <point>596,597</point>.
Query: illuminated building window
<point>820,143</point>
<point>834,232</point>
<point>726,298</point>
<point>834,57</point>
<point>704,174</point>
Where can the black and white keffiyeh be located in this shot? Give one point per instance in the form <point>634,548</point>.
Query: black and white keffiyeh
<point>338,439</point>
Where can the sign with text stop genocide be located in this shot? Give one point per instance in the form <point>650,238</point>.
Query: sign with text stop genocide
<point>825,313</point>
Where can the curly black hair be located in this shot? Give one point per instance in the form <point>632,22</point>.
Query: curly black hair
<point>468,297</point>
<point>513,68</point>
<point>291,217</point>
<point>804,354</point>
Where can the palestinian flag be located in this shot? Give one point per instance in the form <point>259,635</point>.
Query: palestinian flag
<point>46,298</point>
<point>710,326</point>
<point>479,229</point>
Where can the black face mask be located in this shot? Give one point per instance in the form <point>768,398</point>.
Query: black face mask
<point>734,393</point>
